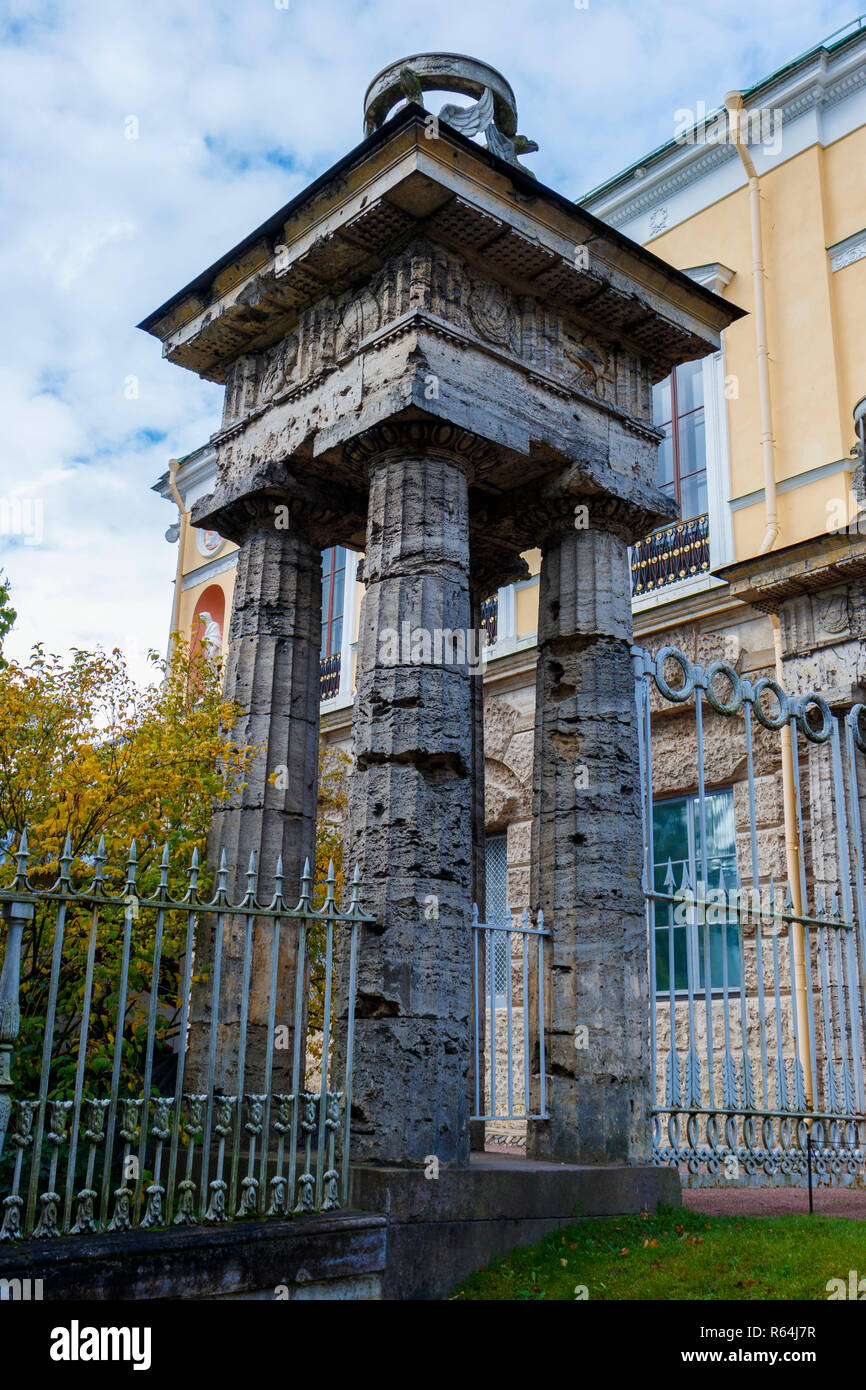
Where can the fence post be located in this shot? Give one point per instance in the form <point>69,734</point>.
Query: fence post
<point>16,915</point>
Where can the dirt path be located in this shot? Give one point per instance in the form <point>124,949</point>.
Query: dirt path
<point>776,1201</point>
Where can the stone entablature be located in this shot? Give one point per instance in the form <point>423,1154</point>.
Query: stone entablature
<point>366,308</point>
<point>399,183</point>
<point>427,285</point>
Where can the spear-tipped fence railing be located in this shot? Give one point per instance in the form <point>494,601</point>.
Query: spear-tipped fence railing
<point>132,1138</point>
<point>757,987</point>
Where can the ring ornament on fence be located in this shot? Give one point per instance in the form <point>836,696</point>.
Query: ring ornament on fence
<point>683,693</point>
<point>771,721</point>
<point>814,701</point>
<point>722,668</point>
<point>853,720</point>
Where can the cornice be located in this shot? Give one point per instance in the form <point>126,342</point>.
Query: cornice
<point>815,90</point>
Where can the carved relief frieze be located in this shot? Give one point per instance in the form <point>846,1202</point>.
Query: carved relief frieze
<point>831,615</point>
<point>494,316</point>
<point>358,317</point>
<point>426,277</point>
<point>278,369</point>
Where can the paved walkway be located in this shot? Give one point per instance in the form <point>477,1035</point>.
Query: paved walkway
<point>736,1201</point>
<point>776,1201</point>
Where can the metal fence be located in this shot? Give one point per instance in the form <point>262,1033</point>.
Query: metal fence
<point>507,985</point>
<point>756,976</point>
<point>110,1129</point>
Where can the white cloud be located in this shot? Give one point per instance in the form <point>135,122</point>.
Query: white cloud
<point>238,105</point>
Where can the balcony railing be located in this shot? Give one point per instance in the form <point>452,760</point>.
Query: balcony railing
<point>490,618</point>
<point>668,556</point>
<point>330,676</point>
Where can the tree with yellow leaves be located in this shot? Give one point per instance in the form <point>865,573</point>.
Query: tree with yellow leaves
<point>85,753</point>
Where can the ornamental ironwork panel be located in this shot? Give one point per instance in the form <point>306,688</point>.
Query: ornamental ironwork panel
<point>330,676</point>
<point>669,556</point>
<point>490,618</point>
<point>115,1138</point>
<point>756,944</point>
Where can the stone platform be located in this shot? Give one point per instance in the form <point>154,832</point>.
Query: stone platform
<point>442,1230</point>
<point>407,1237</point>
<point>312,1257</point>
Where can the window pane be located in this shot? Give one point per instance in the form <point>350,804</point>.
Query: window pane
<point>670,836</point>
<point>662,402</point>
<point>690,387</point>
<point>693,496</point>
<point>326,593</point>
<point>671,821</point>
<point>691,433</point>
<point>327,560</point>
<point>336,637</point>
<point>666,459</point>
<point>719,821</point>
<point>339,585</point>
<point>663,972</point>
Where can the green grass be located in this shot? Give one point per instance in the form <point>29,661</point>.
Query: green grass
<point>677,1254</point>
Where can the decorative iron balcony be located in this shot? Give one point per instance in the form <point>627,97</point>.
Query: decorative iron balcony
<point>490,618</point>
<point>670,555</point>
<point>330,678</point>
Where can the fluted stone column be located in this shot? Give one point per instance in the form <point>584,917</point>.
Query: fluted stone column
<point>411,802</point>
<point>587,858</point>
<point>273,675</point>
<point>479,851</point>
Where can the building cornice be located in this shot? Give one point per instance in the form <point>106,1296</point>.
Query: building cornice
<point>821,82</point>
<point>193,472</point>
<point>766,581</point>
<point>846,252</point>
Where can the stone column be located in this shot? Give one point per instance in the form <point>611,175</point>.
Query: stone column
<point>479,846</point>
<point>411,800</point>
<point>272,673</point>
<point>587,858</point>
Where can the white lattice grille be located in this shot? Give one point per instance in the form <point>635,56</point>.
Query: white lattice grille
<point>496,875</point>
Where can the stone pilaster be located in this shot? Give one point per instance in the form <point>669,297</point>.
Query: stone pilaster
<point>587,858</point>
<point>411,800</point>
<point>273,675</point>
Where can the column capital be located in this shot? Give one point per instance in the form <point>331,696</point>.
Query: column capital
<point>590,495</point>
<point>421,436</point>
<point>315,518</point>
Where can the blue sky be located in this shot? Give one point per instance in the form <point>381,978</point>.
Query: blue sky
<point>238,104</point>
